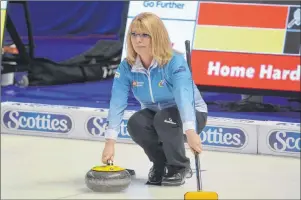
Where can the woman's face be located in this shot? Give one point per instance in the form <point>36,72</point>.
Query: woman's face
<point>141,42</point>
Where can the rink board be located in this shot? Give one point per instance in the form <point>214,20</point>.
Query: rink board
<point>220,134</point>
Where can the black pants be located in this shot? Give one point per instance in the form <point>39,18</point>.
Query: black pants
<point>160,134</point>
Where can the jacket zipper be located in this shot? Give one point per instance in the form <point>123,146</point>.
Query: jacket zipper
<point>150,86</point>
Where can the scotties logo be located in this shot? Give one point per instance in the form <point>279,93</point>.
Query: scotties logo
<point>233,138</point>
<point>284,141</point>
<point>97,126</point>
<point>37,121</point>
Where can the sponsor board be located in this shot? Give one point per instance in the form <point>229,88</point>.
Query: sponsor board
<point>237,50</point>
<point>57,121</point>
<point>35,121</point>
<point>224,137</point>
<point>258,71</point>
<point>175,15</point>
<point>215,137</point>
<point>44,120</point>
<point>240,138</point>
<point>95,126</point>
<point>220,134</point>
<point>273,140</point>
<point>182,10</point>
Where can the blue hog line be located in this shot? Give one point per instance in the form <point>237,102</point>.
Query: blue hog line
<point>37,121</point>
<point>211,135</point>
<point>284,141</point>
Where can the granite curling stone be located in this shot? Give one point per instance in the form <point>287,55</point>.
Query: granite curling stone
<point>108,178</point>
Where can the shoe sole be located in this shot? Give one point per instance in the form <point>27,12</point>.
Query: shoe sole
<point>153,183</point>
<point>189,175</point>
<point>172,183</point>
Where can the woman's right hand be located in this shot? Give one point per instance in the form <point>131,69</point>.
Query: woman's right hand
<point>109,151</point>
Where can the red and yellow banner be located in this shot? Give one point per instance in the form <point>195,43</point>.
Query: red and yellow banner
<point>242,45</point>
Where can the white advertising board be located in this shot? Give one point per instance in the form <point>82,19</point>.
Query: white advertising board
<point>179,18</point>
<point>282,139</point>
<point>181,10</point>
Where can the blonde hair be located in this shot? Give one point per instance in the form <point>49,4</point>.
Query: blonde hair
<point>150,24</point>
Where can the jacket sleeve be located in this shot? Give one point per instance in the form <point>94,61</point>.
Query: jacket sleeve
<point>118,102</point>
<point>183,91</point>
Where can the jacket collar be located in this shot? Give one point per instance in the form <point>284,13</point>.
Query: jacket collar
<point>138,66</point>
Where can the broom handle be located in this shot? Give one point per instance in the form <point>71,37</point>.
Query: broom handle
<point>197,159</point>
<point>198,172</point>
<point>188,54</point>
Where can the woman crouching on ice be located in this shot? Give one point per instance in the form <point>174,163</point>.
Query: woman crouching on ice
<point>171,104</point>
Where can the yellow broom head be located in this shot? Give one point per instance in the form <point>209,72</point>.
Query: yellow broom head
<point>201,195</point>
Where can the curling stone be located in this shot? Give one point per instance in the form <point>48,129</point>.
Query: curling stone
<point>108,178</point>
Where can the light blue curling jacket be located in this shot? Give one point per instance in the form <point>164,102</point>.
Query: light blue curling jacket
<point>155,88</point>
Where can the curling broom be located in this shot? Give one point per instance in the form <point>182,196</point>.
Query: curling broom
<point>199,194</point>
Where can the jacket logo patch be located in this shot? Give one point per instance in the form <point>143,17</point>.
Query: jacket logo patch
<point>137,84</point>
<point>161,83</point>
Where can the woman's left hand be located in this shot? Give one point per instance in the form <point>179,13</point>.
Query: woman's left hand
<point>194,141</point>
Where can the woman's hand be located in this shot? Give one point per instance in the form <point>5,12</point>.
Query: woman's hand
<point>108,151</point>
<point>194,141</point>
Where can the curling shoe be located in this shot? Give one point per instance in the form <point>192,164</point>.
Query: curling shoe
<point>155,175</point>
<point>176,176</point>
